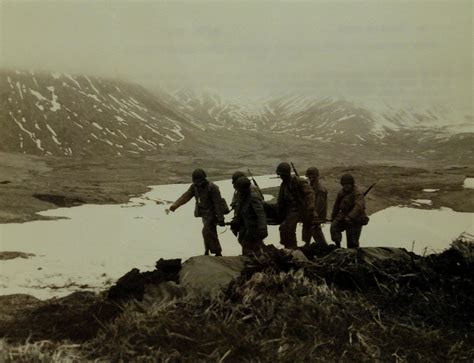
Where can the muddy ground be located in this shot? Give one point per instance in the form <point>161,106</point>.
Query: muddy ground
<point>31,184</point>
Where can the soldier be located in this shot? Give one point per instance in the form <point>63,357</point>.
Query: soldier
<point>312,227</point>
<point>295,203</point>
<point>209,207</point>
<point>249,223</point>
<point>348,213</point>
<point>235,176</point>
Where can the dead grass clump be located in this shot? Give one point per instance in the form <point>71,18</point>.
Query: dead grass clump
<point>271,316</point>
<point>40,351</point>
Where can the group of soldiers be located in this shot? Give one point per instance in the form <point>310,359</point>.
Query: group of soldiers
<point>299,201</point>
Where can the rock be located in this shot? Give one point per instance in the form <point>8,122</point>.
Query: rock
<point>10,255</point>
<point>298,255</point>
<point>207,275</point>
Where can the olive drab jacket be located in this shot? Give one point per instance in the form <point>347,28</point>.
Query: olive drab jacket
<point>320,202</point>
<point>250,218</point>
<point>295,195</point>
<point>208,200</point>
<point>350,205</point>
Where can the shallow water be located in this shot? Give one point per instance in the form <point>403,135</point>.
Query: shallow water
<point>99,243</point>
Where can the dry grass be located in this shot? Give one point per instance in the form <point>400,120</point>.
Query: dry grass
<point>338,308</point>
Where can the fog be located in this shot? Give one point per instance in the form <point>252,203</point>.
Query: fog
<point>368,49</point>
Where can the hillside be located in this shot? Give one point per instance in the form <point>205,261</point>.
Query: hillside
<point>317,304</point>
<point>80,116</point>
<point>65,115</point>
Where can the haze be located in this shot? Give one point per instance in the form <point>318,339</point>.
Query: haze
<point>393,50</point>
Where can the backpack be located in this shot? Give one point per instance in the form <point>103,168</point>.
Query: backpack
<point>222,204</point>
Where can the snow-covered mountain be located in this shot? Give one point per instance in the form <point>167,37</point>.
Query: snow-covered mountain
<point>318,118</point>
<point>65,115</point>
<point>60,114</point>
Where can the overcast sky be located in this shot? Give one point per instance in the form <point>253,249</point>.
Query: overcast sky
<point>413,49</point>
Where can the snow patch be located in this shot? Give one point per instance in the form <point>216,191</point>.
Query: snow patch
<point>469,183</point>
<point>430,190</point>
<point>73,80</point>
<point>55,105</point>
<point>92,85</point>
<point>96,125</point>
<point>19,89</point>
<point>422,201</point>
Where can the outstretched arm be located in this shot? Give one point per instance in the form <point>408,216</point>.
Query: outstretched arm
<point>183,199</point>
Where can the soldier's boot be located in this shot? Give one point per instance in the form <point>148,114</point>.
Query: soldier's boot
<point>218,254</point>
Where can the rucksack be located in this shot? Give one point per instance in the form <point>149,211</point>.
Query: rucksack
<point>223,203</point>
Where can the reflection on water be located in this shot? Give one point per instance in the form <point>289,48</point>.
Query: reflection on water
<point>99,243</point>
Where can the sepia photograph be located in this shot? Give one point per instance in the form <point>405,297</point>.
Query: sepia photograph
<point>236,181</point>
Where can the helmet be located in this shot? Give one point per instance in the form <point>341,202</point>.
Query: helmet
<point>199,175</point>
<point>283,169</point>
<point>347,179</point>
<point>237,175</point>
<point>242,183</point>
<point>312,171</point>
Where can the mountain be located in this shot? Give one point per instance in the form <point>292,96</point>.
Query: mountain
<point>428,132</point>
<point>65,115</point>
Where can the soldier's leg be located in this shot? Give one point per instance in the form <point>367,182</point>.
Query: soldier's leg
<point>288,230</point>
<point>337,227</point>
<point>306,233</point>
<point>353,234</point>
<point>318,235</point>
<point>204,237</point>
<point>209,233</point>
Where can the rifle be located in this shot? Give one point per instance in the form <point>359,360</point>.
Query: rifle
<point>369,189</point>
<point>255,183</point>
<point>294,170</point>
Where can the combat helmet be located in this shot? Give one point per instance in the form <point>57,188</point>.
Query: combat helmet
<point>283,169</point>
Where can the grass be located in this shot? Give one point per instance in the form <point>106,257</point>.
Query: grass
<point>343,307</point>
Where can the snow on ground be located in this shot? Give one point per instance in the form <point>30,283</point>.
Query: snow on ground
<point>95,124</point>
<point>55,105</point>
<point>99,243</point>
<point>430,190</point>
<point>422,201</point>
<point>92,85</point>
<point>469,183</point>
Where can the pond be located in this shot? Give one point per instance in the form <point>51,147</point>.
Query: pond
<point>99,243</point>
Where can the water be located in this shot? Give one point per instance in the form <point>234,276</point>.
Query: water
<point>99,243</point>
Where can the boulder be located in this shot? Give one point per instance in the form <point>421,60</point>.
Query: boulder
<point>207,275</point>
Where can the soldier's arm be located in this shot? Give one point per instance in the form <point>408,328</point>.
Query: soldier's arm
<point>216,200</point>
<point>359,207</point>
<point>183,199</point>
<point>336,207</point>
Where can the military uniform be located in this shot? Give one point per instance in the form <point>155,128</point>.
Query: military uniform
<point>348,215</point>
<point>209,208</point>
<point>312,226</point>
<point>250,221</point>
<point>296,203</point>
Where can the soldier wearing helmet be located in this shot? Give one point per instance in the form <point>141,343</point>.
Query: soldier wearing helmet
<point>348,213</point>
<point>249,223</point>
<point>295,204</point>
<point>312,226</point>
<point>209,207</point>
